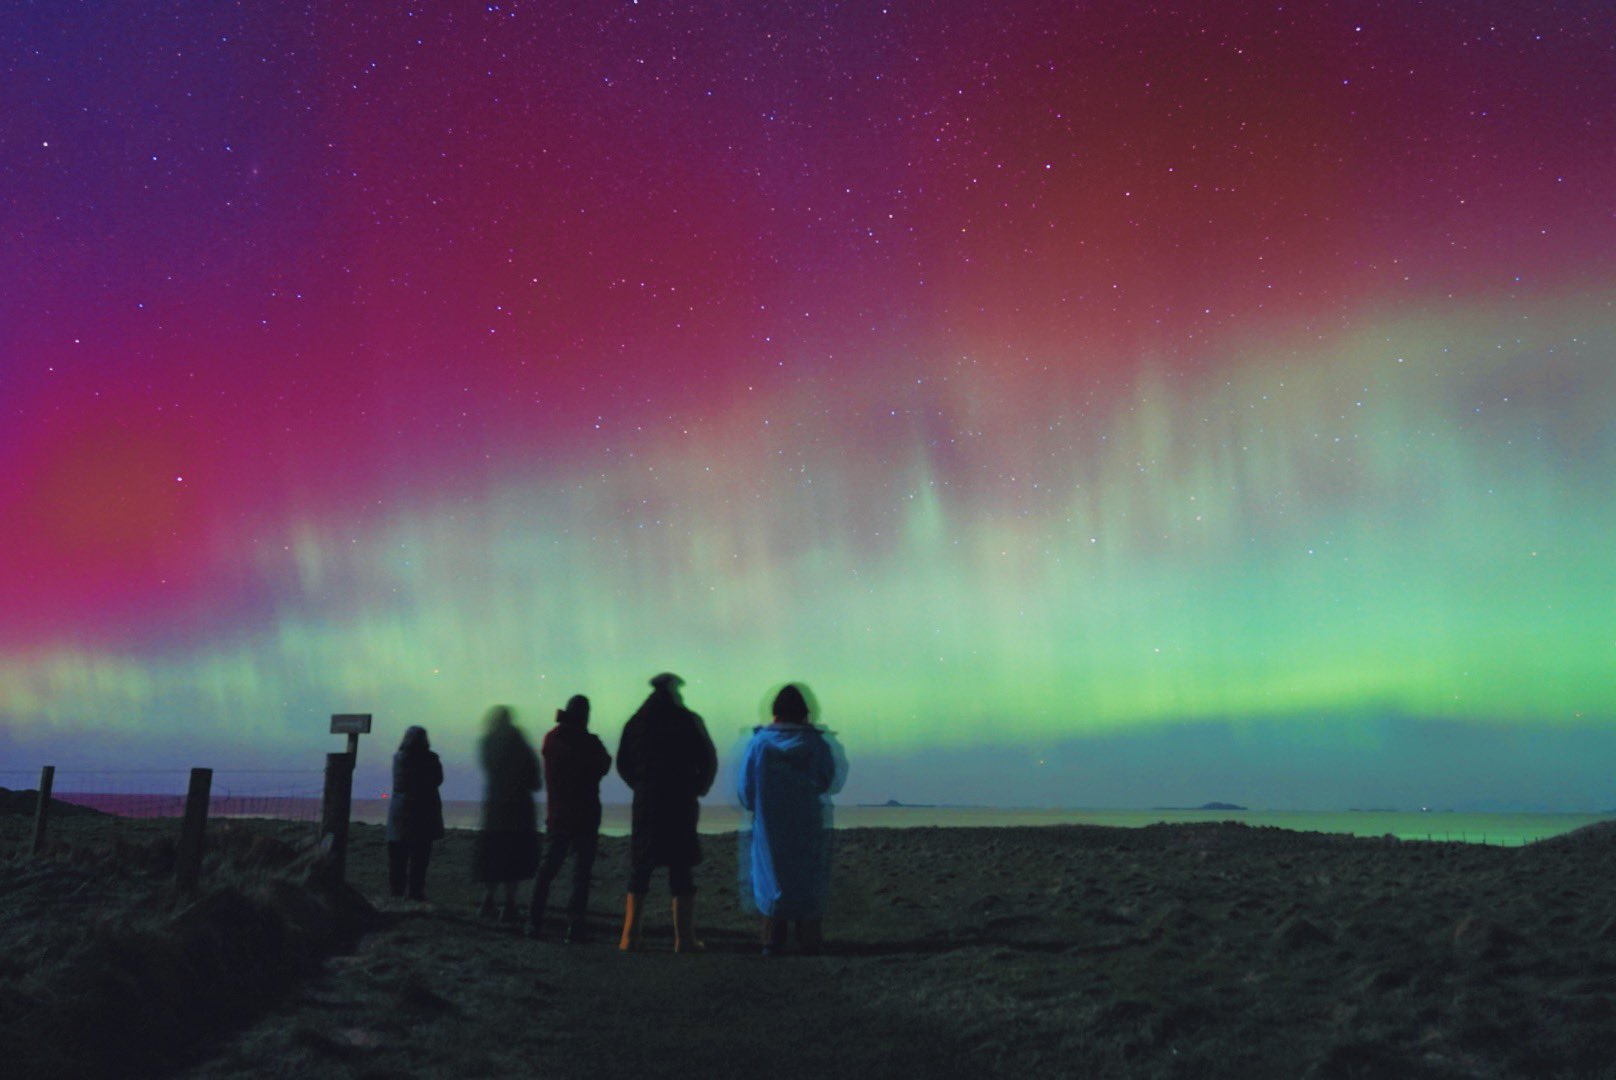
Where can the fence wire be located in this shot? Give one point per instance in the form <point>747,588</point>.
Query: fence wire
<point>277,795</point>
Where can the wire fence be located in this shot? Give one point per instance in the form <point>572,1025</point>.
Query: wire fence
<point>274,794</point>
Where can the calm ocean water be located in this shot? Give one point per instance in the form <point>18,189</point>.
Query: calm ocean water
<point>716,817</point>
<point>1472,828</point>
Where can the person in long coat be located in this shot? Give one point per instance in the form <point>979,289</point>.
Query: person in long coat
<point>783,779</point>
<point>414,814</point>
<point>574,762</point>
<point>667,759</point>
<point>507,849</point>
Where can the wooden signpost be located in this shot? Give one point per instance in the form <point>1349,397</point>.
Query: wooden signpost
<point>337,805</point>
<point>352,725</point>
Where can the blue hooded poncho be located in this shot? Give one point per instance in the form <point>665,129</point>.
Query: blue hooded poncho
<point>784,778</point>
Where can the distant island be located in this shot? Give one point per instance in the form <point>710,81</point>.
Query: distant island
<point>904,805</point>
<point>1204,806</point>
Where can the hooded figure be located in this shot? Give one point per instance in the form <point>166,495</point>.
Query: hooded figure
<point>574,762</point>
<point>668,760</point>
<point>783,779</point>
<point>414,814</point>
<point>508,845</point>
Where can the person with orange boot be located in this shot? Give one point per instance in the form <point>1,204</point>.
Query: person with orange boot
<point>667,759</point>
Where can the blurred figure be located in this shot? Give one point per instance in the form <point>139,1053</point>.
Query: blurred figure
<point>785,775</point>
<point>668,760</point>
<point>574,762</point>
<point>508,845</point>
<point>414,814</point>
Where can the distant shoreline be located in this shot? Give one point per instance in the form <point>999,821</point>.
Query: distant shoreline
<point>1509,828</point>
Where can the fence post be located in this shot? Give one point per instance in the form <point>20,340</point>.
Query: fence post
<point>192,827</point>
<point>334,811</point>
<point>47,779</point>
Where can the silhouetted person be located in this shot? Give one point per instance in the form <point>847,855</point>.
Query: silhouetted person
<point>574,762</point>
<point>668,760</point>
<point>414,814</point>
<point>784,777</point>
<point>508,845</point>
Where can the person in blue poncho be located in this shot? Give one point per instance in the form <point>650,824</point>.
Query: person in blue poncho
<point>788,770</point>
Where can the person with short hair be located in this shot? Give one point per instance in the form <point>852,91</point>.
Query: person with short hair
<point>574,761</point>
<point>667,758</point>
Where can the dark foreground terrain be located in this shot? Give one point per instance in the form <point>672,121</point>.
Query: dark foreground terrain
<point>1185,950</point>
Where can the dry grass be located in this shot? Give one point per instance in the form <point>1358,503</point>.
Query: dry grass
<point>109,972</point>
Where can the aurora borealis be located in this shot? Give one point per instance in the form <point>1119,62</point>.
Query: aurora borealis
<point>1090,402</point>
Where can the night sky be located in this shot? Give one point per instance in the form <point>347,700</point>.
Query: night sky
<point>1094,404</point>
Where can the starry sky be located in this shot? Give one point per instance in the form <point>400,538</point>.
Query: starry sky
<point>1094,404</point>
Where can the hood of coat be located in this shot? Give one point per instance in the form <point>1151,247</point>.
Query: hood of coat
<point>789,739</point>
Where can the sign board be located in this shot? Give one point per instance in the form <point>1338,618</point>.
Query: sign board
<point>350,723</point>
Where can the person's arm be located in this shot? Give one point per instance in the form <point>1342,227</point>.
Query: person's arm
<point>709,758</point>
<point>628,756</point>
<point>746,780</point>
<point>824,766</point>
<point>549,762</point>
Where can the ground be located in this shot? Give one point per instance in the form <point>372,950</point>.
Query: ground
<point>1187,951</point>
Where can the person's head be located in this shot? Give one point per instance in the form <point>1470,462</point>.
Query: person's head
<point>790,706</point>
<point>414,739</point>
<point>667,683</point>
<point>499,718</point>
<point>576,713</point>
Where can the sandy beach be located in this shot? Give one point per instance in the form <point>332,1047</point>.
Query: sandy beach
<point>1212,950</point>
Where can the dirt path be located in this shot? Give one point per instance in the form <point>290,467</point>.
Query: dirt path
<point>439,993</point>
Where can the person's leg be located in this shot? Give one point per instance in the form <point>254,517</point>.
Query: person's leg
<point>486,866</point>
<point>683,886</point>
<point>397,855</point>
<point>510,913</point>
<point>583,868</point>
<point>420,858</point>
<point>639,883</point>
<point>555,853</point>
<point>772,936</point>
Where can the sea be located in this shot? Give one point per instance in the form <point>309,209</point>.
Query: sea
<point>1491,828</point>
<point>303,804</point>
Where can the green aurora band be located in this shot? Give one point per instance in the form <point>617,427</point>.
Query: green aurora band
<point>1412,520</point>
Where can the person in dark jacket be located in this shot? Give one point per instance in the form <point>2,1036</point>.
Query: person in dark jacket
<point>508,844</point>
<point>574,762</point>
<point>668,760</point>
<point>784,779</point>
<point>414,814</point>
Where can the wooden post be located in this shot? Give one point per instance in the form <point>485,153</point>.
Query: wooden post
<point>47,780</point>
<point>188,870</point>
<point>334,811</point>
